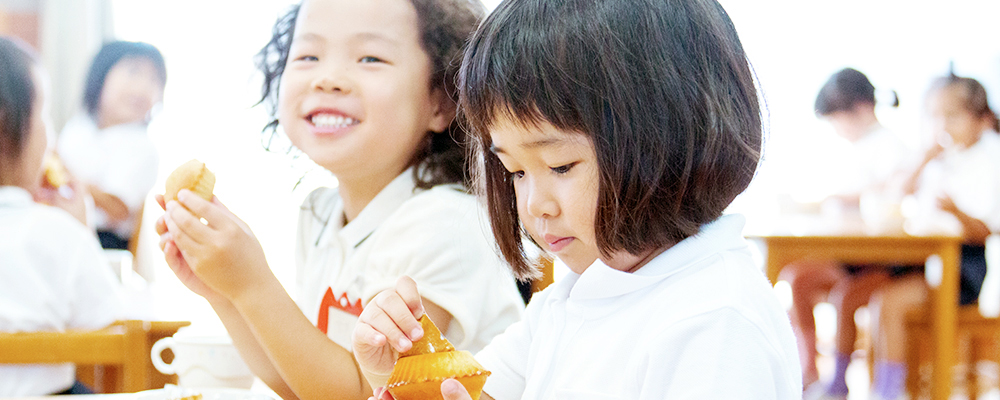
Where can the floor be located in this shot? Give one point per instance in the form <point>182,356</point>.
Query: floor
<point>857,373</point>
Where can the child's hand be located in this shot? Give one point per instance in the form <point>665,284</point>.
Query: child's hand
<point>70,197</point>
<point>224,254</point>
<point>946,204</point>
<point>175,259</point>
<point>387,326</point>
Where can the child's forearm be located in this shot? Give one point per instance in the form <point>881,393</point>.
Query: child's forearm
<point>974,231</point>
<point>249,349</point>
<point>312,365</point>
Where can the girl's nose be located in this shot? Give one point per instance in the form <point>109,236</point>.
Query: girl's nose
<point>331,82</point>
<point>539,201</point>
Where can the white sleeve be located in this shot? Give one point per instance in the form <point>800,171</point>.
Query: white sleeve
<point>437,239</point>
<point>717,355</point>
<point>506,357</point>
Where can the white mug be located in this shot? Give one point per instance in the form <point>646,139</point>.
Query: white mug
<point>203,362</point>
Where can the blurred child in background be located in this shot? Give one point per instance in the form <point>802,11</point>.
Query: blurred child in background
<point>53,274</point>
<point>847,102</point>
<point>958,180</point>
<point>107,146</point>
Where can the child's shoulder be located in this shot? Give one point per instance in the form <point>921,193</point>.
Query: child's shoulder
<point>442,203</point>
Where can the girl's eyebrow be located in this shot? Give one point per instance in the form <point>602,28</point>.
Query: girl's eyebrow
<point>530,145</point>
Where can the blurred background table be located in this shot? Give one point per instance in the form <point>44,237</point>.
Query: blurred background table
<point>849,242</point>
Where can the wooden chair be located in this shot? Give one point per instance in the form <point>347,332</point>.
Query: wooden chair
<point>978,335</point>
<point>123,345</point>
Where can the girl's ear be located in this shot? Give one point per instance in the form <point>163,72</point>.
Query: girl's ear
<point>443,112</point>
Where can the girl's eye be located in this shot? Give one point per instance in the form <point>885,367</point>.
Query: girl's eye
<point>370,59</point>
<point>517,174</point>
<point>307,58</point>
<point>563,169</point>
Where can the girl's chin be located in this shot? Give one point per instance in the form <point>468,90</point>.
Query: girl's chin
<point>577,265</point>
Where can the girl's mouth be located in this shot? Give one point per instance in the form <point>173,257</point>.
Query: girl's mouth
<point>329,121</point>
<point>557,243</point>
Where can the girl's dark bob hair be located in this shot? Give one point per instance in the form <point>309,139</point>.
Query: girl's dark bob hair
<point>107,58</point>
<point>662,88</point>
<point>17,98</point>
<point>445,25</point>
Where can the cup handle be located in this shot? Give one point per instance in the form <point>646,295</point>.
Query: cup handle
<point>156,354</point>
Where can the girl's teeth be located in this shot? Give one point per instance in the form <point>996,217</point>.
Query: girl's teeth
<point>332,121</point>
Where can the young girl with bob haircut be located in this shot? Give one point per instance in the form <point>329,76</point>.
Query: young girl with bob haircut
<point>614,133</point>
<point>53,274</point>
<point>366,89</point>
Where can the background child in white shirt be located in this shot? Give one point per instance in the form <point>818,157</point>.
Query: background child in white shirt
<point>615,133</point>
<point>957,184</point>
<point>367,92</point>
<point>106,145</point>
<point>53,273</point>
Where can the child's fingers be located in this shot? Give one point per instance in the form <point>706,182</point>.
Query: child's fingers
<point>161,227</point>
<point>399,311</point>
<point>204,209</point>
<point>381,322</point>
<point>164,238</point>
<point>453,390</point>
<point>187,223</point>
<point>407,290</point>
<point>364,333</point>
<point>180,235</point>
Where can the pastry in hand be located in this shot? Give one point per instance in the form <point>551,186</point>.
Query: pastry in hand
<point>419,372</point>
<point>55,172</point>
<point>192,176</point>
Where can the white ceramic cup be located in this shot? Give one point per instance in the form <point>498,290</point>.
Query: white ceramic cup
<point>203,362</point>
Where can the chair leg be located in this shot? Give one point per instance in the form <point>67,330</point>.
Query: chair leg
<point>971,373</point>
<point>913,365</point>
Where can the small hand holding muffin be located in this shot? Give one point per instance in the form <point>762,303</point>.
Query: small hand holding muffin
<point>213,252</point>
<point>398,348</point>
<point>419,372</point>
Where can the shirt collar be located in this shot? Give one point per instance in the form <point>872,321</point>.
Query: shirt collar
<point>600,281</point>
<point>14,196</point>
<point>386,202</point>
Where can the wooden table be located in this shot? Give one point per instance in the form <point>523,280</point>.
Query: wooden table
<point>861,248</point>
<point>108,378</point>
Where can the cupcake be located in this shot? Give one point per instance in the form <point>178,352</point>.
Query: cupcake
<point>193,176</point>
<point>419,372</point>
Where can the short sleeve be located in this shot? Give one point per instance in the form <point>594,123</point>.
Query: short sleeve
<point>717,355</point>
<point>506,357</point>
<point>438,239</point>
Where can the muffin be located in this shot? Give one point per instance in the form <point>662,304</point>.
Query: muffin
<point>193,176</point>
<point>419,372</point>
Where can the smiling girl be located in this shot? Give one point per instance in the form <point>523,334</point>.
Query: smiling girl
<point>366,90</point>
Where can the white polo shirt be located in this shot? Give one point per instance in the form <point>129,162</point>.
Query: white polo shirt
<point>699,321</point>
<point>971,177</point>
<point>438,237</point>
<point>870,162</point>
<point>53,277</point>
<point>121,160</point>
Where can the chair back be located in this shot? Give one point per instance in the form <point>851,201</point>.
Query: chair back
<point>123,344</point>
